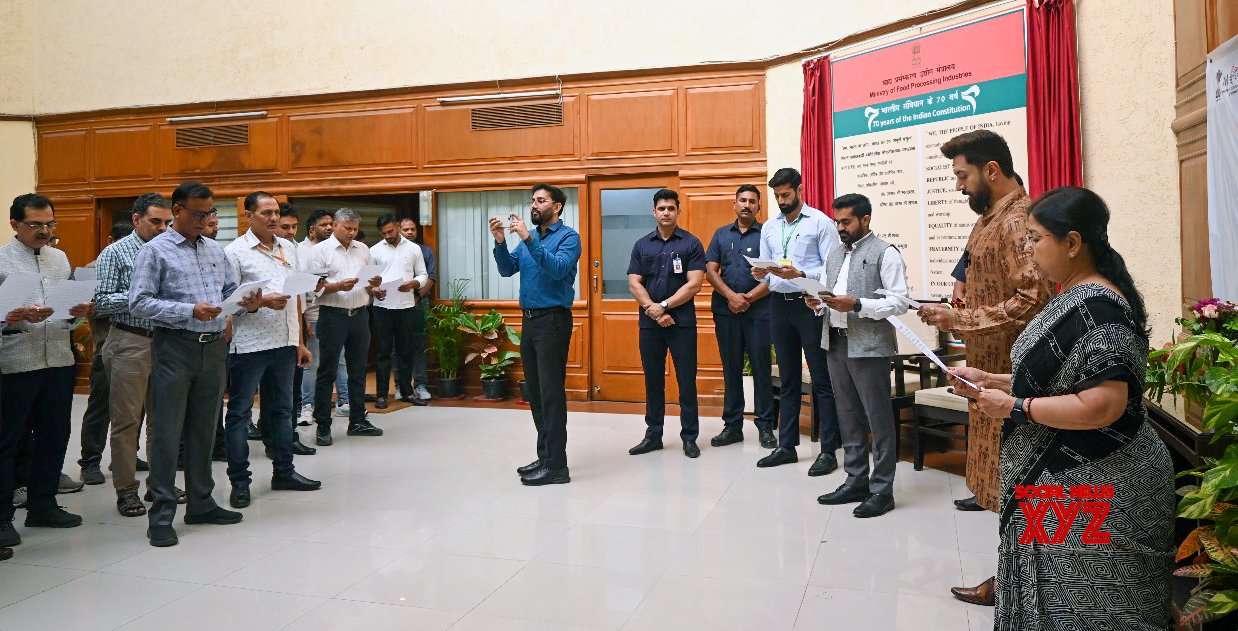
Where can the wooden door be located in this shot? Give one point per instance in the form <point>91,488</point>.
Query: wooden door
<point>621,212</point>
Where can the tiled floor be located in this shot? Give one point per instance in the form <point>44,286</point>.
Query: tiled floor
<point>429,528</point>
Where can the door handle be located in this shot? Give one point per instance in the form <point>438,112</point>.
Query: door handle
<point>595,283</point>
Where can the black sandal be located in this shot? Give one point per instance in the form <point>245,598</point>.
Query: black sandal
<point>181,496</point>
<point>128,505</point>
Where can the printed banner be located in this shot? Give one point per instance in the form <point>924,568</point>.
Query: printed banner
<point>894,106</point>
<point>1223,168</point>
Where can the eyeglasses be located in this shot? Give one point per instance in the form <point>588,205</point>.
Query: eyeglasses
<point>39,226</point>
<point>540,200</point>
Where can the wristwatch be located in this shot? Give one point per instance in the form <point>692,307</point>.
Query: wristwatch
<point>1019,414</point>
<point>857,307</point>
<point>664,305</point>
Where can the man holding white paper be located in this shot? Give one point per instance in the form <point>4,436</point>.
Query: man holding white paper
<point>36,362</point>
<point>867,283</point>
<point>343,322</point>
<point>267,347</point>
<point>391,319</point>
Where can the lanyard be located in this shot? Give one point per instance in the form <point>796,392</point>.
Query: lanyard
<point>786,238</point>
<point>271,253</point>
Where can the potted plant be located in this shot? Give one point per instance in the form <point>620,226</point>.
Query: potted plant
<point>446,339</point>
<point>493,362</point>
<point>1202,367</point>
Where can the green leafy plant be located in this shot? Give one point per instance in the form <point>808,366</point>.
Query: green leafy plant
<point>443,331</point>
<point>1202,367</point>
<point>488,331</point>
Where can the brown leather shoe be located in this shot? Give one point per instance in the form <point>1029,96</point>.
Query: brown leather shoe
<point>981,594</point>
<point>6,554</point>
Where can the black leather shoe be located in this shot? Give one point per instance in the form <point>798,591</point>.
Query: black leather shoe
<point>767,439</point>
<point>546,475</point>
<point>143,465</point>
<point>219,455</point>
<point>323,440</point>
<point>875,506</point>
<point>730,435</point>
<point>968,504</point>
<point>381,403</point>
<point>850,491</point>
<point>239,498</point>
<point>825,463</point>
<point>363,428</point>
<point>369,398</point>
<point>161,536</point>
<point>294,482</point>
<point>53,518</point>
<point>529,468</point>
<point>645,446</point>
<point>301,449</point>
<point>254,432</point>
<point>8,535</point>
<point>690,449</point>
<point>419,402</point>
<point>781,455</point>
<point>216,516</point>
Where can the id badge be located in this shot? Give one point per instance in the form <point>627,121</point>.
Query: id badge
<point>677,265</point>
<point>785,262</point>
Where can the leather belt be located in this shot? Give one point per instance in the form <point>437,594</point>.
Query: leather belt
<point>529,314</point>
<point>348,312</point>
<point>201,338</point>
<point>136,330</point>
<point>790,297</point>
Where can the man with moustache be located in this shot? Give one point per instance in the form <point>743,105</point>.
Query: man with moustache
<point>180,280</point>
<point>740,306</point>
<point>318,228</point>
<point>800,239</point>
<point>1003,292</point>
<point>666,271</point>
<point>411,229</point>
<point>860,344</point>
<point>391,319</point>
<point>127,350</point>
<point>547,259</point>
<point>266,349</point>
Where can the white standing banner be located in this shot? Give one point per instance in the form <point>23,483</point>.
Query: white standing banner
<point>1223,168</point>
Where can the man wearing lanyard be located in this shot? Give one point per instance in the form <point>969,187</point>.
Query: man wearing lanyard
<point>666,271</point>
<point>266,349</point>
<point>800,239</point>
<point>741,320</point>
<point>180,281</point>
<point>547,260</point>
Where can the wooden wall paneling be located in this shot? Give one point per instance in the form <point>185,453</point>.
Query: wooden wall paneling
<point>449,138</point>
<point>63,156</point>
<point>124,153</point>
<point>631,123</point>
<point>1192,34</point>
<point>352,139</point>
<point>723,119</point>
<point>1223,20</point>
<point>259,155</point>
<point>75,225</point>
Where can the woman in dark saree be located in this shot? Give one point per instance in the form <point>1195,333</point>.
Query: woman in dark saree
<point>1075,416</point>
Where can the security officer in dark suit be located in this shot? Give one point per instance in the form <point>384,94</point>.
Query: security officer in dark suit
<point>741,320</point>
<point>665,274</point>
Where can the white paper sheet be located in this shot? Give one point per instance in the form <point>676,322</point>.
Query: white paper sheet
<point>15,290</point>
<point>762,263</point>
<point>903,299</point>
<point>85,273</point>
<point>244,291</point>
<point>300,283</point>
<point>392,285</point>
<point>812,286</point>
<point>923,348</point>
<point>66,294</point>
<point>369,271</point>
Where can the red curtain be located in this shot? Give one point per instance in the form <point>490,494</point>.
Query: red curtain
<point>1054,153</point>
<point>817,136</point>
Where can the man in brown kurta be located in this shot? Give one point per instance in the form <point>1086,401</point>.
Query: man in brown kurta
<point>1004,290</point>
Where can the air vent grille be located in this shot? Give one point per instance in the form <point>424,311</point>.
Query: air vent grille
<point>513,116</point>
<point>213,136</point>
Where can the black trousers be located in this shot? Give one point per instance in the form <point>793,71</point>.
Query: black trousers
<point>341,333</point>
<point>681,342</point>
<point>393,329</point>
<point>739,334</point>
<point>97,420</point>
<point>795,330</point>
<point>543,348</point>
<point>37,403</point>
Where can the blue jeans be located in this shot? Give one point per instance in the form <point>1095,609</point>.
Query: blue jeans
<point>271,372</point>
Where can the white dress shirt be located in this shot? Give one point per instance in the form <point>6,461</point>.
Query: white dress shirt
<point>342,264</point>
<point>808,244</point>
<point>893,279</point>
<point>401,261</point>
<point>265,328</point>
<point>305,251</point>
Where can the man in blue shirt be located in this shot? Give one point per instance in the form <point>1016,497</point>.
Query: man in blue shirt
<point>666,271</point>
<point>547,260</point>
<point>741,320</point>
